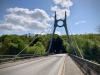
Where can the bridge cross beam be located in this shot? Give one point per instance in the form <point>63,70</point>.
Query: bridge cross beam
<point>66,29</point>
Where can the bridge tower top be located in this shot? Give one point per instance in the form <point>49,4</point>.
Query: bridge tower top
<point>66,29</point>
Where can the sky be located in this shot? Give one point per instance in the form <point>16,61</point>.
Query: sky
<point>37,16</point>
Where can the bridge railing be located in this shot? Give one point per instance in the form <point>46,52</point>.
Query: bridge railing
<point>7,58</point>
<point>88,67</point>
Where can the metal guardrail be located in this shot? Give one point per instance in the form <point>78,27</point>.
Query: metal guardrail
<point>88,67</point>
<point>7,58</point>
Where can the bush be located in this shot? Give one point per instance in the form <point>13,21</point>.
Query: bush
<point>38,48</point>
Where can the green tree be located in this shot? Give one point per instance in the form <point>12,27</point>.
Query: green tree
<point>2,38</point>
<point>96,53</point>
<point>87,50</point>
<point>38,48</point>
<point>30,50</point>
<point>12,45</point>
<point>98,29</point>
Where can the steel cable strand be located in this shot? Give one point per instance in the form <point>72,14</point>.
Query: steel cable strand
<point>27,45</point>
<point>42,42</point>
<point>51,37</point>
<point>75,43</point>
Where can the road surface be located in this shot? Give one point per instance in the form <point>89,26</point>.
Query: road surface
<point>59,64</point>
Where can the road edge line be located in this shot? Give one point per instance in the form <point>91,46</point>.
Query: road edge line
<point>61,67</point>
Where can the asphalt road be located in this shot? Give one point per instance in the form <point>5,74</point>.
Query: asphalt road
<point>59,64</point>
<point>46,66</point>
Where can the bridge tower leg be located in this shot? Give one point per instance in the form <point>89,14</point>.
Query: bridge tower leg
<point>56,25</point>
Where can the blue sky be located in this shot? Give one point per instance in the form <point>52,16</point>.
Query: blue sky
<point>33,16</point>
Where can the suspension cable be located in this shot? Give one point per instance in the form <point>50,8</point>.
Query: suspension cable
<point>50,32</point>
<point>28,44</point>
<point>73,47</point>
<point>76,43</point>
<point>42,40</point>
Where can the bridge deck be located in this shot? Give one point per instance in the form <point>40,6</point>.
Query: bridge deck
<point>51,65</point>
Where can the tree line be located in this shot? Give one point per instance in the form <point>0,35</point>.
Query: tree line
<point>89,45</point>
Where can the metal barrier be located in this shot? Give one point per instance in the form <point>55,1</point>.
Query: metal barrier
<point>7,58</point>
<point>88,67</point>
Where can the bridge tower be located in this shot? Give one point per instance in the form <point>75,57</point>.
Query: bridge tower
<point>66,29</point>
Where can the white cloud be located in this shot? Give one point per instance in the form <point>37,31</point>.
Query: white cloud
<point>24,19</point>
<point>80,22</point>
<point>37,14</point>
<point>64,6</point>
<point>64,3</point>
<point>60,12</point>
<point>58,32</point>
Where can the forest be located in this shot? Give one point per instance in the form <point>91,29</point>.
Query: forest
<point>86,44</point>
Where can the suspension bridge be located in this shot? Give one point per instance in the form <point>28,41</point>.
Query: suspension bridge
<point>49,64</point>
